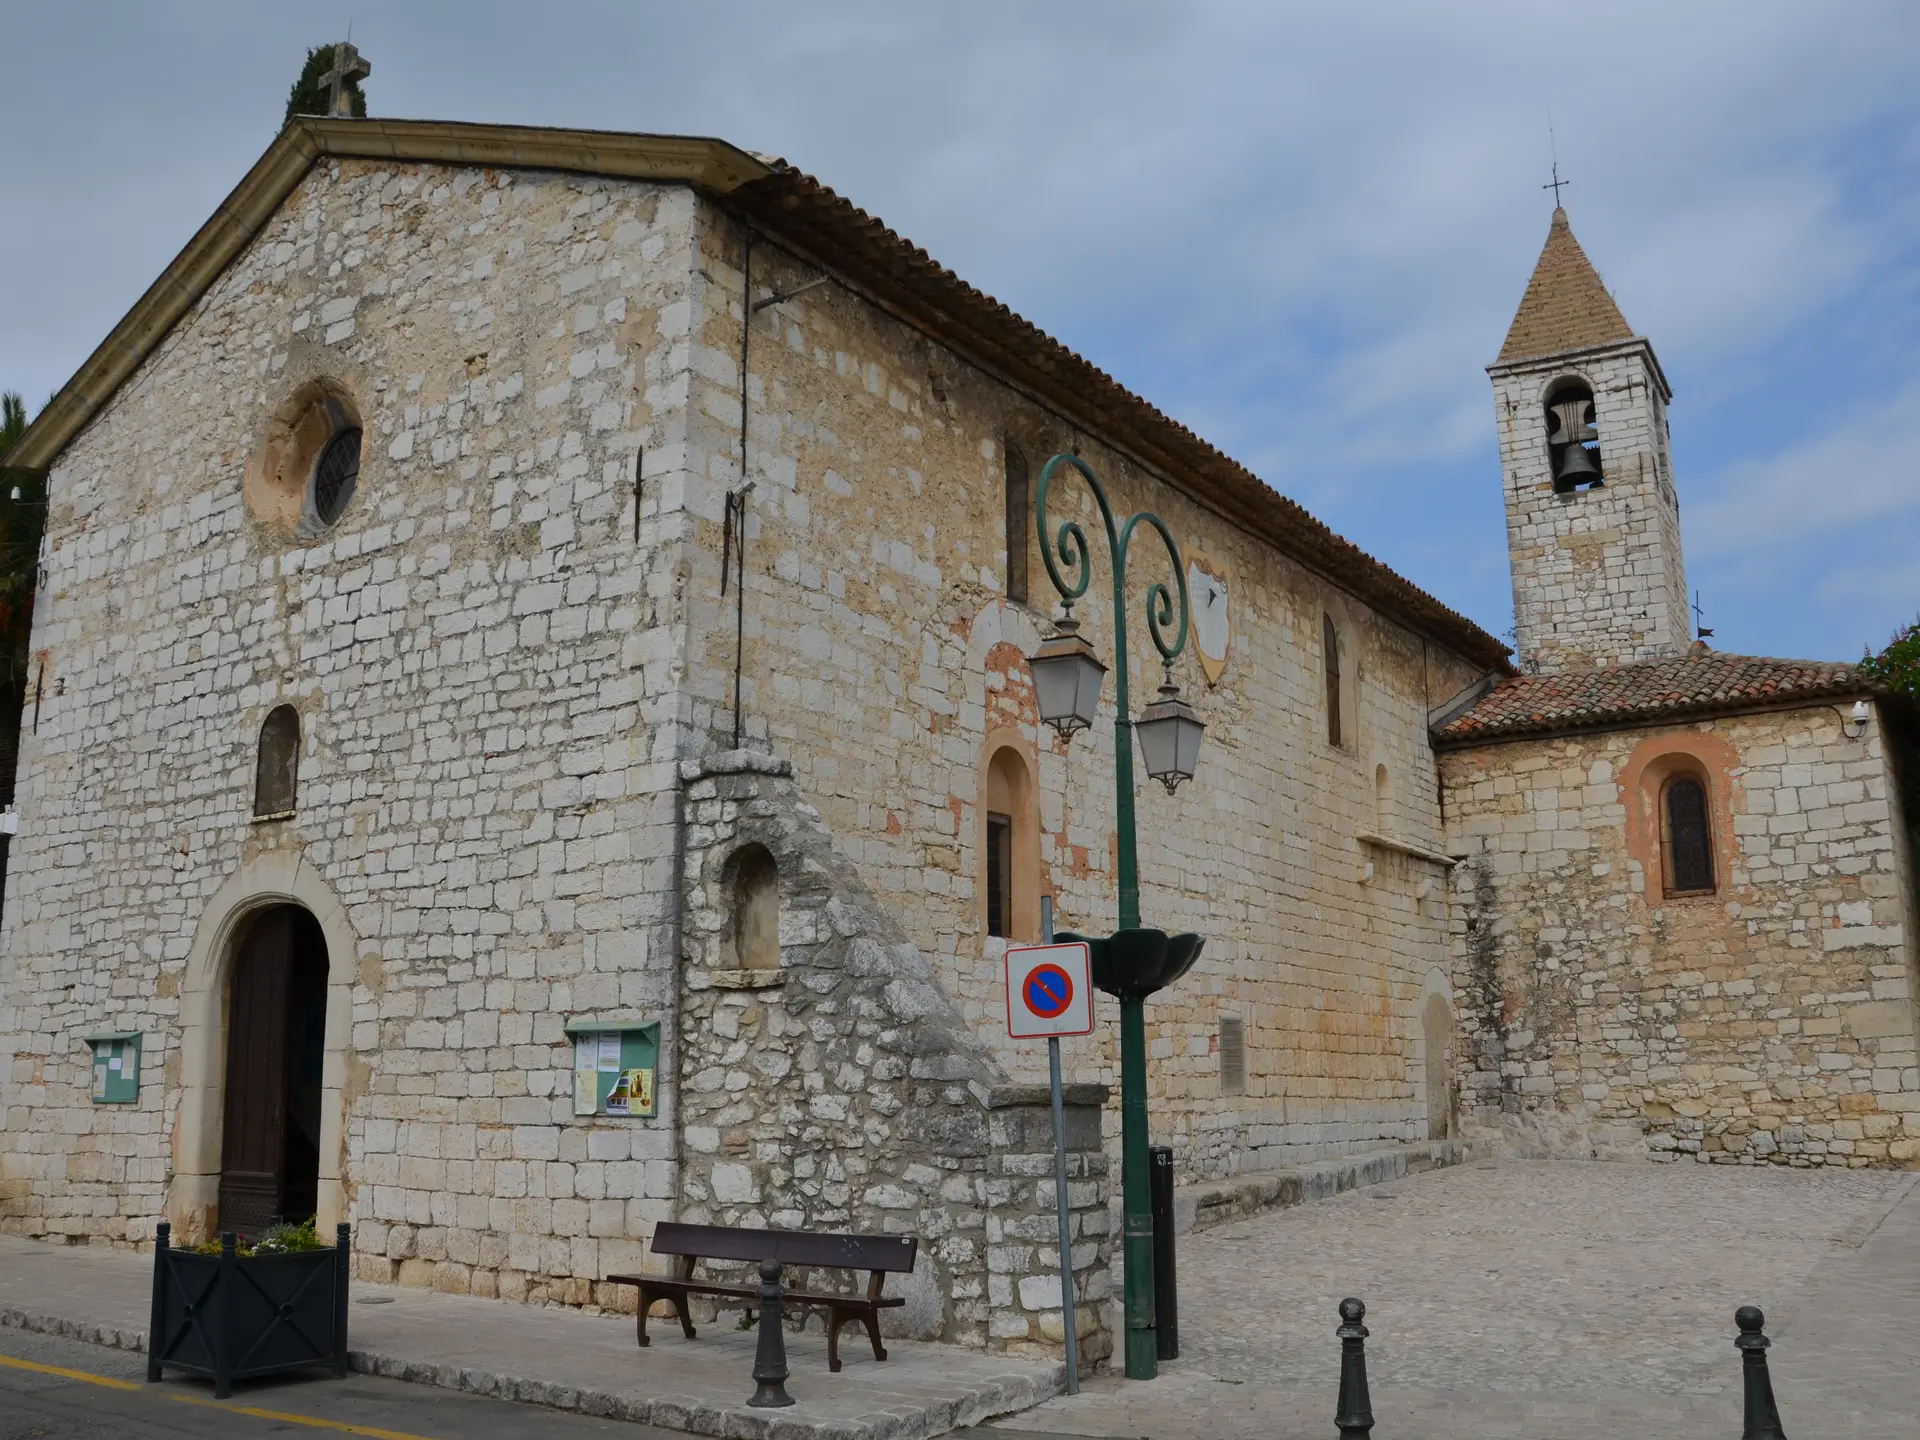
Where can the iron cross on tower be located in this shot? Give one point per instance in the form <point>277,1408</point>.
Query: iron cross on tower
<point>1556,184</point>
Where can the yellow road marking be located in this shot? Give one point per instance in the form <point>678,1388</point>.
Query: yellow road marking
<point>66,1374</point>
<point>285,1416</point>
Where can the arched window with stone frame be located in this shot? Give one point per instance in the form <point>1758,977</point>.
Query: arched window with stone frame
<point>276,770</point>
<point>1009,872</point>
<point>1688,860</point>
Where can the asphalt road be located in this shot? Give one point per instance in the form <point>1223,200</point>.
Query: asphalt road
<point>103,1395</point>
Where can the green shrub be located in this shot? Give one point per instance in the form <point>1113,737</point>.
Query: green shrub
<point>1898,666</point>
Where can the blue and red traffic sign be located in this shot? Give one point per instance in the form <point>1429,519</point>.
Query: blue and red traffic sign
<point>1049,991</point>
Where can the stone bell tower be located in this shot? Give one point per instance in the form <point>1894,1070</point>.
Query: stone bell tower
<point>1593,523</point>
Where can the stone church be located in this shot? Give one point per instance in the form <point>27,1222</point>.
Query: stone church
<point>531,736</point>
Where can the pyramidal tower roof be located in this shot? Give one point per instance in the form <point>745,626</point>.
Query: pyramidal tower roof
<point>1565,307</point>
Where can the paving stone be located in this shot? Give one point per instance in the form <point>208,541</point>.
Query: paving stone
<point>1541,1298</point>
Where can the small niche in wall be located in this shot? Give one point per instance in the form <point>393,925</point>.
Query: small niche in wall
<point>1233,1055</point>
<point>614,1065</point>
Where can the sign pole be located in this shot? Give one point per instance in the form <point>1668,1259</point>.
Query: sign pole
<point>1060,1181</point>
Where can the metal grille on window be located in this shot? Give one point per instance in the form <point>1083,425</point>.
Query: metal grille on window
<point>1000,875</point>
<point>277,768</point>
<point>335,475</point>
<point>1233,1055</point>
<point>1689,837</point>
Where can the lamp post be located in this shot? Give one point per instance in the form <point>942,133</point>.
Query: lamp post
<point>1134,962</point>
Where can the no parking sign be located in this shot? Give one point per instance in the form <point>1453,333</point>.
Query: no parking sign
<point>1049,991</point>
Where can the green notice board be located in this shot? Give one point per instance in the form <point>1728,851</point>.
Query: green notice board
<point>116,1067</point>
<point>613,1067</point>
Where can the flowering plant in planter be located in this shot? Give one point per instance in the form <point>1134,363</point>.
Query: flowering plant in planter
<point>233,1314</point>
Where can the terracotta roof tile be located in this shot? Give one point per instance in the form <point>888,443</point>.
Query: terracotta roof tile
<point>1566,307</point>
<point>1683,687</point>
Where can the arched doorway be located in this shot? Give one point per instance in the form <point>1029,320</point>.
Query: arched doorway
<point>276,1044</point>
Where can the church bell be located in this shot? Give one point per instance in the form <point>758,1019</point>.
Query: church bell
<point>1573,463</point>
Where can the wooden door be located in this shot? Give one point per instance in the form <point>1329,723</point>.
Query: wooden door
<point>253,1145</point>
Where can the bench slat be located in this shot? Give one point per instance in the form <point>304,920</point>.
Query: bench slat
<point>663,1285</point>
<point>894,1253</point>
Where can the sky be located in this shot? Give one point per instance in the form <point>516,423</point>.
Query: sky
<point>1299,229</point>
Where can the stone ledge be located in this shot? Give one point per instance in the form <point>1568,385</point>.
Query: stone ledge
<point>735,979</point>
<point>734,762</point>
<point>1218,1202</point>
<point>1005,1097</point>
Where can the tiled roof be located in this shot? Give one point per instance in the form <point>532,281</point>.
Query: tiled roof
<point>1685,687</point>
<point>1565,307</point>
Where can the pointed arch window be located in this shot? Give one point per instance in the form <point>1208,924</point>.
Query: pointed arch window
<point>276,771</point>
<point>1687,832</point>
<point>1330,652</point>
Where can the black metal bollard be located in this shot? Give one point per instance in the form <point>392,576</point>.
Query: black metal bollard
<point>770,1356</point>
<point>156,1324</point>
<point>1354,1415</point>
<point>342,1264</point>
<point>1166,1301</point>
<point>1763,1416</point>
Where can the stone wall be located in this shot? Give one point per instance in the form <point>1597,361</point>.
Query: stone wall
<point>884,657</point>
<point>482,654</point>
<point>1598,574</point>
<point>1771,1021</point>
<point>503,652</point>
<point>843,1090</point>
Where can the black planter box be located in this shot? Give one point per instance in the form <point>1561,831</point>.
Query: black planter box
<point>234,1317</point>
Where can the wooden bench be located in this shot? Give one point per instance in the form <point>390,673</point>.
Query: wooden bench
<point>879,1255</point>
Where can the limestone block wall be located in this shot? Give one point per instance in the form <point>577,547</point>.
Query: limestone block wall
<point>1598,574</point>
<point>885,658</point>
<point>482,653</point>
<point>840,1089</point>
<point>1772,1021</point>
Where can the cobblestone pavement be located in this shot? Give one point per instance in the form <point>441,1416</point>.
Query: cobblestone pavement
<point>1542,1299</point>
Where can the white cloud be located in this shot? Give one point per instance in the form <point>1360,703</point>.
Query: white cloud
<point>1301,229</point>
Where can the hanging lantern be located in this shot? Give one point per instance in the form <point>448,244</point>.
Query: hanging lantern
<point>1169,734</point>
<point>1067,677</point>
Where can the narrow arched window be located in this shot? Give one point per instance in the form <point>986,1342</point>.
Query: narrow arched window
<point>1010,866</point>
<point>756,909</point>
<point>276,771</point>
<point>1689,837</point>
<point>1019,505</point>
<point>1382,800</point>
<point>1330,650</point>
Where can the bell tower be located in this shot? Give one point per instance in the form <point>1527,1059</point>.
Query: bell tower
<point>1593,522</point>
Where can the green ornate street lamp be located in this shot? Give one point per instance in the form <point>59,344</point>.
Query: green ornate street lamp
<point>1133,962</point>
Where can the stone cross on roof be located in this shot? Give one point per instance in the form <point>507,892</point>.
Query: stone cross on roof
<point>348,69</point>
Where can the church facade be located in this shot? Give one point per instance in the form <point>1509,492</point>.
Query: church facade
<point>1684,904</point>
<point>532,737</point>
